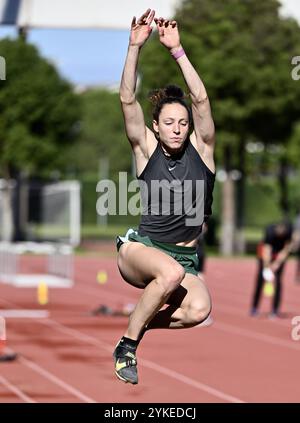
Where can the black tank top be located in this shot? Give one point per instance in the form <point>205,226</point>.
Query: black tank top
<point>175,211</point>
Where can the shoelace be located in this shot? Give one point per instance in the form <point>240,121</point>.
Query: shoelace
<point>130,361</point>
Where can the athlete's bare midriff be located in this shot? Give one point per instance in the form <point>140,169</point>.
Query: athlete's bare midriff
<point>187,243</point>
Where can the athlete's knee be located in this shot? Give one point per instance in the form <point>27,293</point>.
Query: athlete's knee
<point>171,277</point>
<point>124,259</point>
<point>198,311</point>
<point>123,252</point>
<point>121,262</point>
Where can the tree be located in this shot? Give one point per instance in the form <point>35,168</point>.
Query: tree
<point>39,113</point>
<point>292,156</point>
<point>102,151</point>
<point>293,150</point>
<point>102,135</point>
<point>243,51</point>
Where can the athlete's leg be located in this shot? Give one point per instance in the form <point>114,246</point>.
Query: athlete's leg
<point>278,287</point>
<point>154,270</point>
<point>258,288</point>
<point>159,275</point>
<point>190,304</point>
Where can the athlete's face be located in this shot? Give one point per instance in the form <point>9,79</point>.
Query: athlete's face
<point>172,126</point>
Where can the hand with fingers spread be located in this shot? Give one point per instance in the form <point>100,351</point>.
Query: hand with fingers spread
<point>168,33</point>
<point>141,29</point>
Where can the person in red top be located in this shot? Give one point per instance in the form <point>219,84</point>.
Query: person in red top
<point>272,254</point>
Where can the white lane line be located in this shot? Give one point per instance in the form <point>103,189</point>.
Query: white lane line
<point>24,314</point>
<point>43,372</point>
<point>50,376</point>
<point>146,363</point>
<point>8,385</point>
<point>283,322</point>
<point>191,382</point>
<point>257,336</point>
<point>246,293</point>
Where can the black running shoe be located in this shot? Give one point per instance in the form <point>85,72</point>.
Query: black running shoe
<point>125,364</point>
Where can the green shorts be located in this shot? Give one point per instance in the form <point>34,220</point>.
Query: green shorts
<point>186,256</point>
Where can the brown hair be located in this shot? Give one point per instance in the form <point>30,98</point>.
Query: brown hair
<point>168,95</point>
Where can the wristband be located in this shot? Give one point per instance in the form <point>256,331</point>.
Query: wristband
<point>178,54</point>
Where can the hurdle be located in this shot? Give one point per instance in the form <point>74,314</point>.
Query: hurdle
<point>8,262</point>
<point>59,265</point>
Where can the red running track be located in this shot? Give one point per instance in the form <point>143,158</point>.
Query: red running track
<point>67,357</point>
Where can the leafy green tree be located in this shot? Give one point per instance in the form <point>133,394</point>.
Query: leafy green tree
<point>293,150</point>
<point>293,154</point>
<point>39,114</point>
<point>102,150</point>
<point>102,135</point>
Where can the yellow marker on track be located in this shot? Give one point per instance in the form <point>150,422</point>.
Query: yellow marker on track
<point>102,277</point>
<point>42,293</point>
<point>268,289</point>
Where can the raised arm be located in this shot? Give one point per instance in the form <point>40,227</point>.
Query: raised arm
<point>203,121</point>
<point>133,115</point>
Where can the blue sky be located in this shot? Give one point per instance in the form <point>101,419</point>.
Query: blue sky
<point>85,57</point>
<point>93,57</point>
